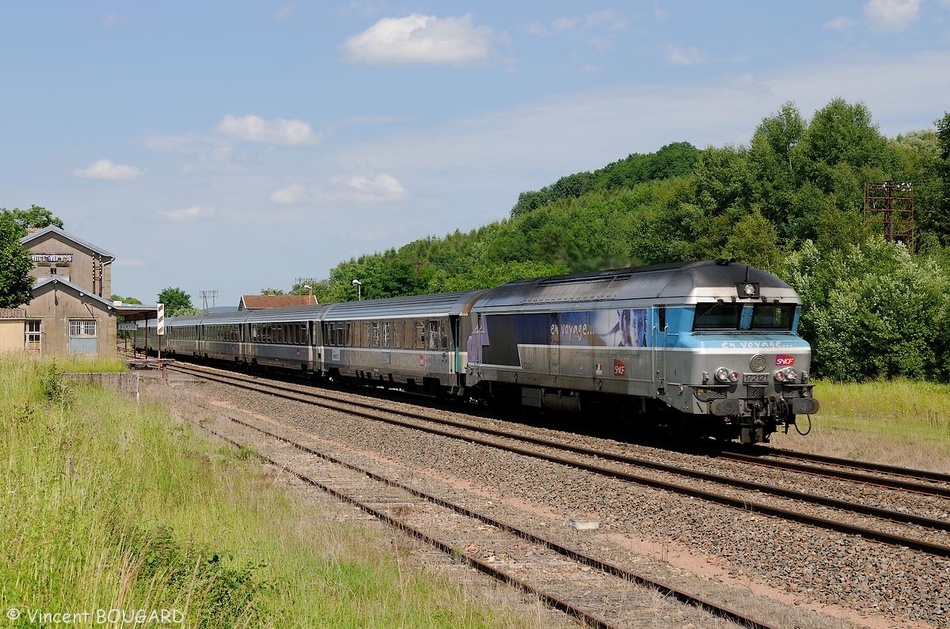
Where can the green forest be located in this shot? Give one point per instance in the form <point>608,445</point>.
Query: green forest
<point>791,202</point>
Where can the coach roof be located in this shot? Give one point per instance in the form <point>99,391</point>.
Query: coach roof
<point>423,306</point>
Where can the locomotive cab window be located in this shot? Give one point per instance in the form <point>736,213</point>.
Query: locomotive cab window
<point>717,316</point>
<point>773,316</point>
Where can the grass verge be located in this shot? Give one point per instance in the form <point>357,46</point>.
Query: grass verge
<point>900,422</point>
<point>112,506</point>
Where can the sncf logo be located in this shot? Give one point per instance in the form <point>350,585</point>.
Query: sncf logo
<point>784,360</point>
<point>620,369</point>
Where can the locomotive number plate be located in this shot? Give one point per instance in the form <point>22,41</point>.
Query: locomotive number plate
<point>755,378</point>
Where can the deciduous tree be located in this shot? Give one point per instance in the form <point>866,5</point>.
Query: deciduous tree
<point>15,264</point>
<point>176,301</point>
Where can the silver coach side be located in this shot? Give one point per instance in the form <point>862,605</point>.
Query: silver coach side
<point>289,338</point>
<point>408,341</point>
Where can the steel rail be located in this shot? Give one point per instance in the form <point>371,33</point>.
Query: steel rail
<point>816,470</point>
<point>493,571</point>
<point>862,465</point>
<point>739,503</point>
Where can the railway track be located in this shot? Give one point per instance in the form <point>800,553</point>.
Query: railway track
<point>915,481</point>
<point>597,592</point>
<point>592,460</point>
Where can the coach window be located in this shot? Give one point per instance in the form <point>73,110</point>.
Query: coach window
<point>420,337</point>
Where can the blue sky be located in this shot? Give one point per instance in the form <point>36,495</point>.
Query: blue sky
<point>235,146</point>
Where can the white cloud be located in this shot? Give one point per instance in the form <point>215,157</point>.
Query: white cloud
<point>891,15</point>
<point>421,39</point>
<point>380,189</point>
<point>358,189</point>
<point>112,19</point>
<point>252,128</point>
<point>537,29</point>
<point>840,23</point>
<point>105,169</point>
<point>190,213</point>
<point>685,56</point>
<point>289,195</point>
<point>605,20</point>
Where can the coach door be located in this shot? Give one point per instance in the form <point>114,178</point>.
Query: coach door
<point>658,350</point>
<point>554,346</point>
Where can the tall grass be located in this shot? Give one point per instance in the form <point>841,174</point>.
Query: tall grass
<point>97,364</point>
<point>901,422</point>
<point>112,506</point>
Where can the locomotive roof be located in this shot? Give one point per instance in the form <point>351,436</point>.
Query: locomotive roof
<point>682,281</point>
<point>439,305</point>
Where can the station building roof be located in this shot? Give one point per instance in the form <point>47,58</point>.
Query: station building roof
<point>53,229</point>
<point>257,302</point>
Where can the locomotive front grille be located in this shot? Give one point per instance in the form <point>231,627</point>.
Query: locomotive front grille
<point>755,392</point>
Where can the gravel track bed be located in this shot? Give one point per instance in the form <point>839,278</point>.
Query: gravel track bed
<point>893,585</point>
<point>619,602</point>
<point>880,497</point>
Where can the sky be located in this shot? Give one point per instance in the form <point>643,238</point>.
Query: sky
<point>236,146</point>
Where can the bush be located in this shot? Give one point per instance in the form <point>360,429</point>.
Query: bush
<point>873,311</point>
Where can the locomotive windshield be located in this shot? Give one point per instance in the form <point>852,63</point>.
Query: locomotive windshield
<point>730,316</point>
<point>773,316</point>
<point>717,316</point>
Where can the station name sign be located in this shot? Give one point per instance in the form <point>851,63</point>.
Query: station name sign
<point>52,257</point>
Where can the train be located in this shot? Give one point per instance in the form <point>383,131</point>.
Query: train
<point>707,349</point>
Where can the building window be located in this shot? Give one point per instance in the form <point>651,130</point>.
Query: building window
<point>33,337</point>
<point>52,270</point>
<point>82,328</point>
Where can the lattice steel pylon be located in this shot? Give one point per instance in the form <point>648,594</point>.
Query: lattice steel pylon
<point>205,296</point>
<point>891,205</point>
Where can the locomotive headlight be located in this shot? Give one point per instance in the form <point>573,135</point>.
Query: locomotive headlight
<point>747,290</point>
<point>726,375</point>
<point>786,375</point>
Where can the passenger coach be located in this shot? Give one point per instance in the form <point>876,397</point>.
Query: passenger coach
<point>417,342</point>
<point>706,348</point>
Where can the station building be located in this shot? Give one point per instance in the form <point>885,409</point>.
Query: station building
<point>71,312</point>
